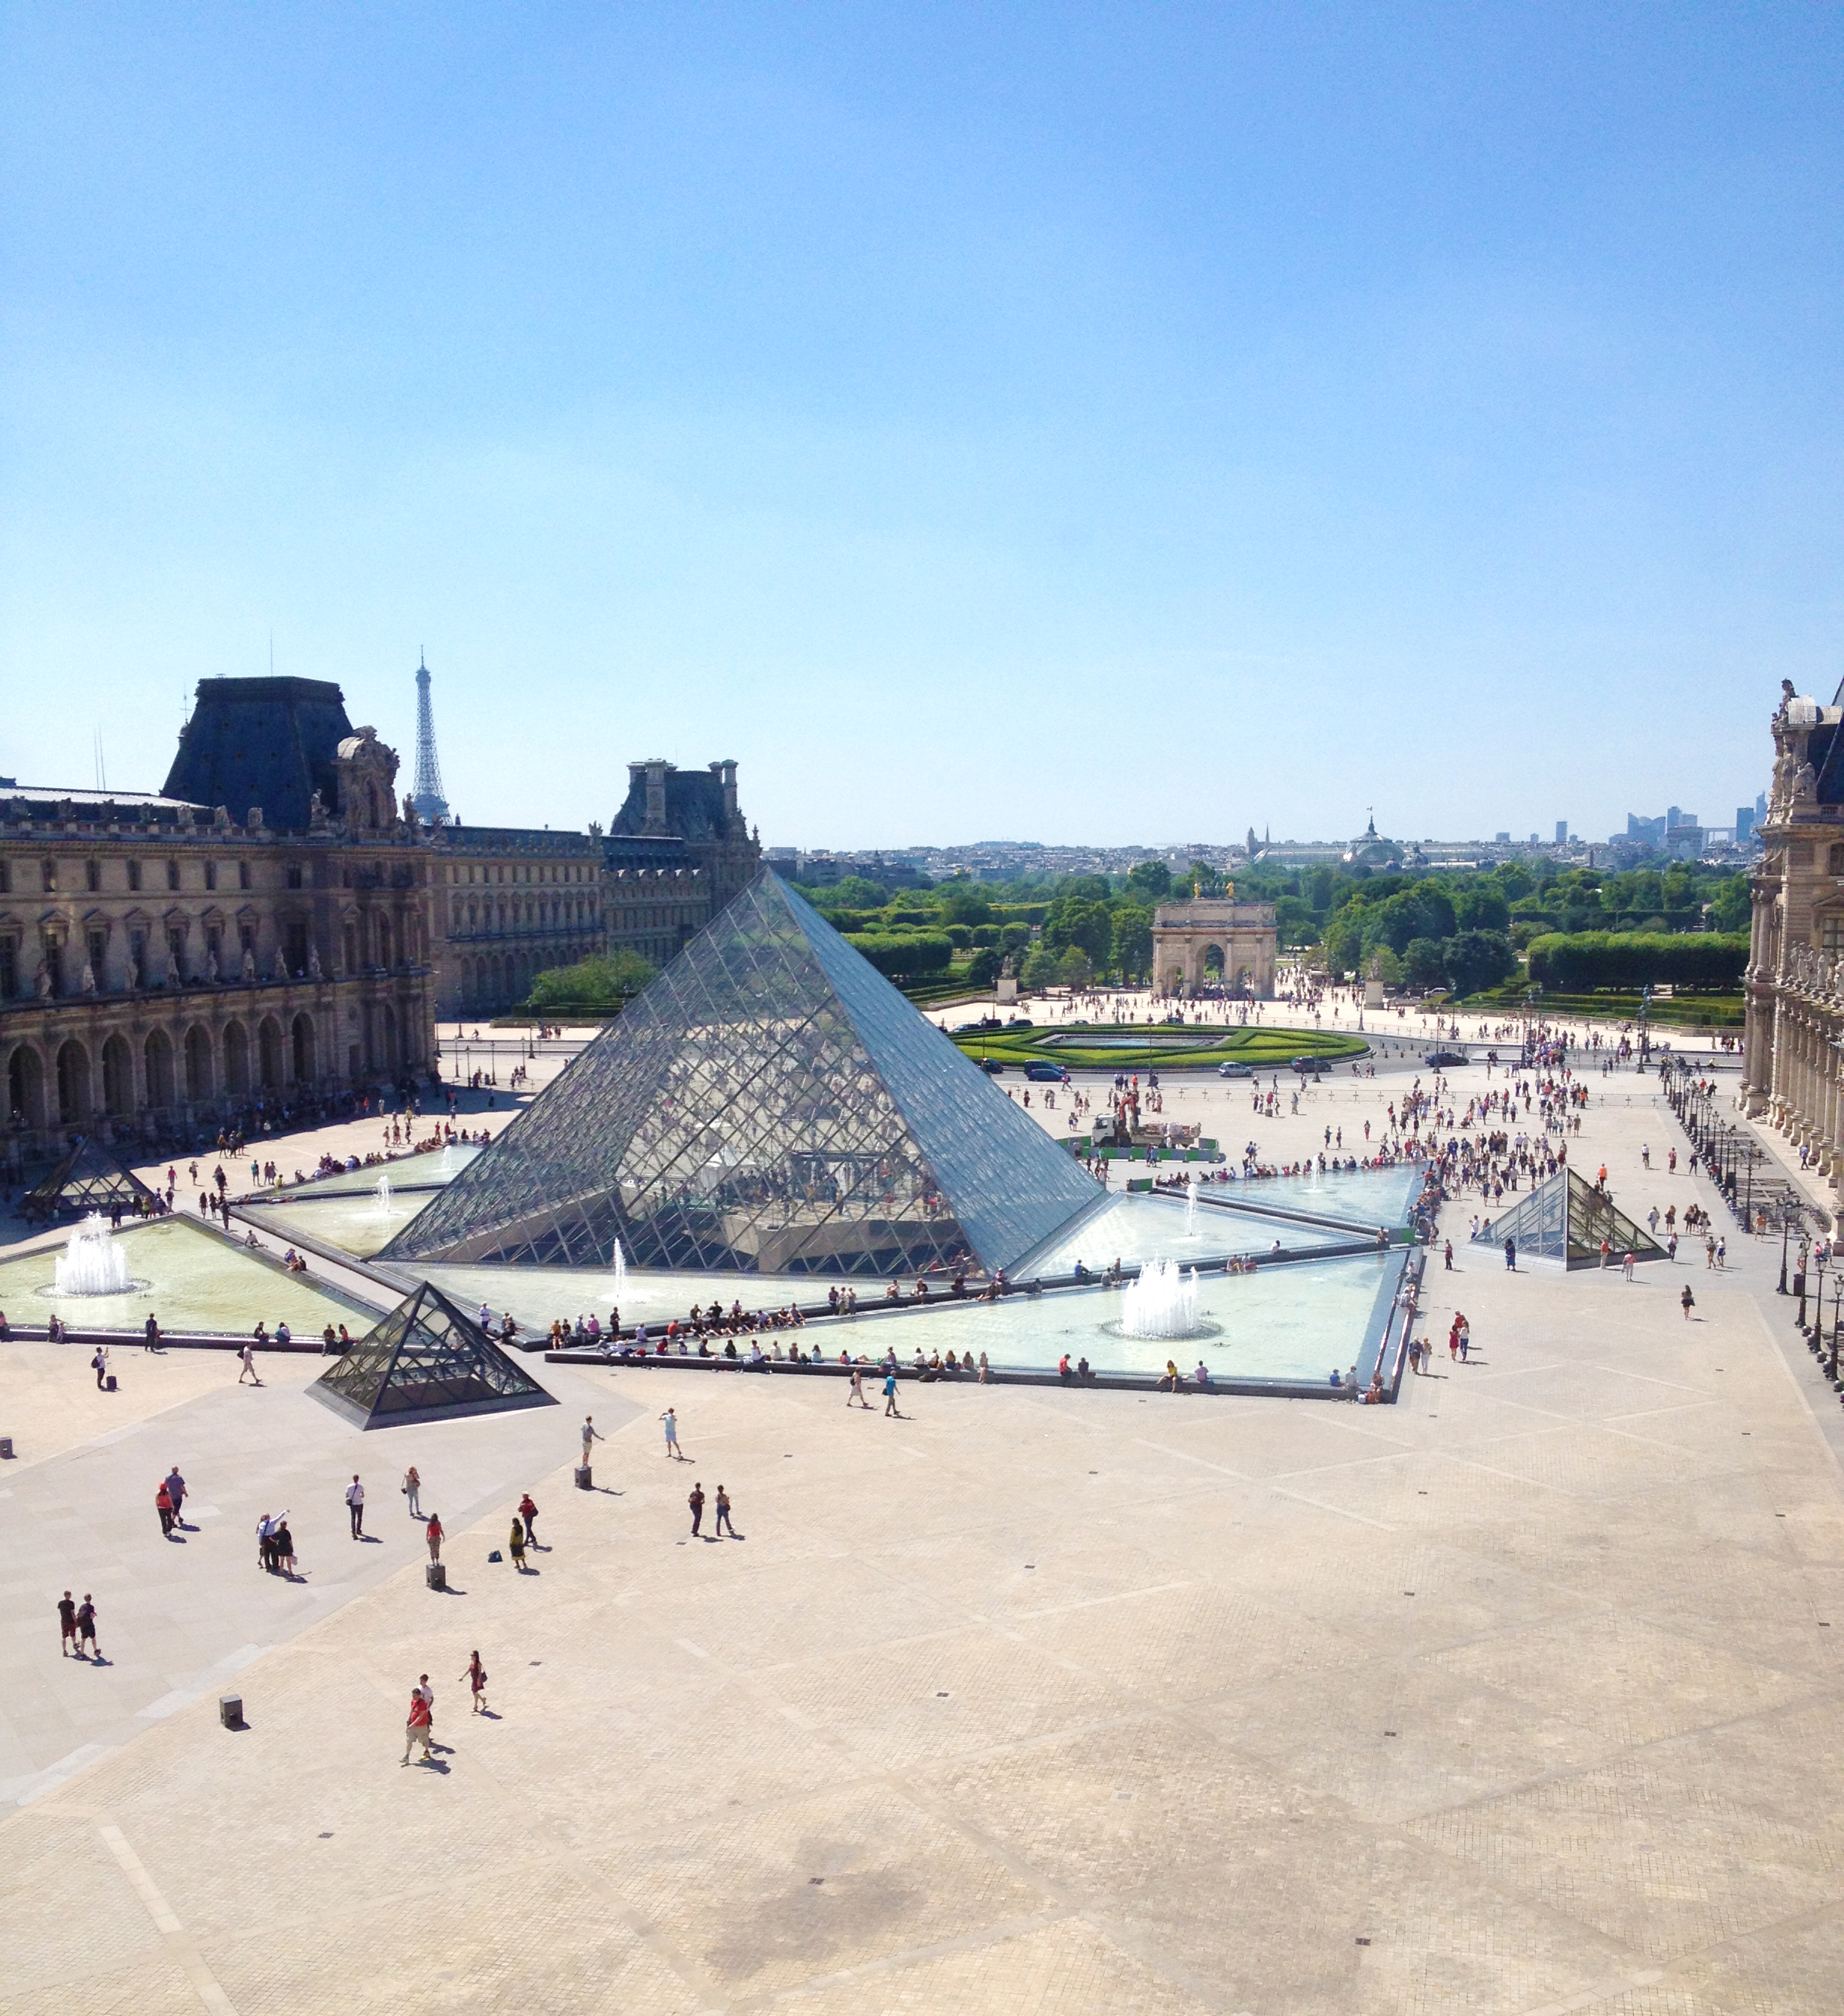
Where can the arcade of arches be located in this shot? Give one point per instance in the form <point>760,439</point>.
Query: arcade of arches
<point>1212,945</point>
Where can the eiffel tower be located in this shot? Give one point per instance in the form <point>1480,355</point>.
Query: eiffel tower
<point>427,796</point>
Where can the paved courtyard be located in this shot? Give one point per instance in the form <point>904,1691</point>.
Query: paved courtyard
<point>1521,1695</point>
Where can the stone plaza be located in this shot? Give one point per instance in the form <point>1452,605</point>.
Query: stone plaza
<point>1514,1696</point>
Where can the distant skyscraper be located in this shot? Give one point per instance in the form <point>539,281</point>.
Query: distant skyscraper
<point>1744,824</point>
<point>1562,832</point>
<point>427,796</point>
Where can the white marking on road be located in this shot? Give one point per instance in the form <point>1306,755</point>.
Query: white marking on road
<point>232,1662</point>
<point>203,1981</point>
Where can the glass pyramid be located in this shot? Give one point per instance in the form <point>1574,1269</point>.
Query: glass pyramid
<point>770,1103</point>
<point>86,1178</point>
<point>1566,1218</point>
<point>425,1361</point>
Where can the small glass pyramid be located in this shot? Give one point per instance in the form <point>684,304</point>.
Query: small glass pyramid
<point>1566,1218</point>
<point>86,1178</point>
<point>770,1103</point>
<point>425,1361</point>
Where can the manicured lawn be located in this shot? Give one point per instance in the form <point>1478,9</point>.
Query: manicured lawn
<point>1117,1051</point>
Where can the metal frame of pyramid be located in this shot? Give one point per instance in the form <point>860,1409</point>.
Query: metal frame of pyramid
<point>86,1178</point>
<point>426,1361</point>
<point>770,1103</point>
<point>1566,1218</point>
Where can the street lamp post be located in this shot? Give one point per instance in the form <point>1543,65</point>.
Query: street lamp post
<point>1837,1308</point>
<point>1786,1226</point>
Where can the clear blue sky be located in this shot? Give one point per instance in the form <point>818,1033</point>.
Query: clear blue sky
<point>1071,423</point>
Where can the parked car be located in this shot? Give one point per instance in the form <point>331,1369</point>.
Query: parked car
<point>1231,1069</point>
<point>1444,1060</point>
<point>991,1066</point>
<point>1021,1022</point>
<point>1047,1073</point>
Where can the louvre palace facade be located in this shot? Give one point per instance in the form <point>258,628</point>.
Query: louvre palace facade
<point>1792,1060</point>
<point>276,928</point>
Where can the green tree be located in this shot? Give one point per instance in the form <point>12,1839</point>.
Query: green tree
<point>965,903</point>
<point>1514,878</point>
<point>1421,962</point>
<point>851,892</point>
<point>1481,905</point>
<point>1474,960</point>
<point>1040,969</point>
<point>1734,904</point>
<point>1150,880</point>
<point>1014,938</point>
<point>1132,937</point>
<point>1077,921</point>
<point>1384,965</point>
<point>597,984</point>
<point>1075,969</point>
<point>982,968</point>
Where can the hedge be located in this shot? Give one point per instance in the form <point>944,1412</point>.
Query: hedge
<point>1577,962</point>
<point>897,957</point>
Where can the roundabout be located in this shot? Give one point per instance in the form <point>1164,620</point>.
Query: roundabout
<point>1111,1047</point>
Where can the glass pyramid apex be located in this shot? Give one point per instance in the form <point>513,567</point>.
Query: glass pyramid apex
<point>426,1361</point>
<point>770,1103</point>
<point>87,1177</point>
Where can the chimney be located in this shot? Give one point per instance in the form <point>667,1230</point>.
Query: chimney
<point>728,770</point>
<point>656,771</point>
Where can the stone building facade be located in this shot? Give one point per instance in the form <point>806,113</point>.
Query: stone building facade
<point>1791,1058</point>
<point>1210,942</point>
<point>509,902</point>
<point>254,937</point>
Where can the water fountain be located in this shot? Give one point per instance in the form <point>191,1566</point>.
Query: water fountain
<point>620,1272</point>
<point>1162,1302</point>
<point>91,1263</point>
<point>1191,1208</point>
<point>381,1190</point>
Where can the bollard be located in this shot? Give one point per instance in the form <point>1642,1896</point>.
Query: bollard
<point>584,1480</point>
<point>435,1575</point>
<point>230,1711</point>
<point>5,1448</point>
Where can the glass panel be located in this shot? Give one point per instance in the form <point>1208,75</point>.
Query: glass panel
<point>772,1104</point>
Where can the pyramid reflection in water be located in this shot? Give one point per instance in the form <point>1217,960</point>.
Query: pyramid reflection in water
<point>770,1103</point>
<point>425,1361</point>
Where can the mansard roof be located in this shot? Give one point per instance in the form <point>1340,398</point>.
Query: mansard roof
<point>694,804</point>
<point>267,742</point>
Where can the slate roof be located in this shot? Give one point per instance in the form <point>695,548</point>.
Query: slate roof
<point>267,742</point>
<point>694,805</point>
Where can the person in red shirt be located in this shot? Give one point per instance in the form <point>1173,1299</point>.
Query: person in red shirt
<point>417,1729</point>
<point>433,1533</point>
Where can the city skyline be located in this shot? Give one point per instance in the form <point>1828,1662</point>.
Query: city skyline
<point>1236,413</point>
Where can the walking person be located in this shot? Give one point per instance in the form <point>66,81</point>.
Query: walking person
<point>516,1543</point>
<point>433,1533</point>
<point>696,1501</point>
<point>889,1393</point>
<point>247,1355</point>
<point>281,1546</point>
<point>1688,1301</point>
<point>67,1626</point>
<point>417,1729</point>
<point>86,1627</point>
<point>176,1491</point>
<point>723,1518</point>
<point>858,1389</point>
<point>528,1512</point>
<point>151,1335</point>
<point>670,1420</point>
<point>355,1506</point>
<point>163,1504</point>
<point>412,1491</point>
<point>476,1677</point>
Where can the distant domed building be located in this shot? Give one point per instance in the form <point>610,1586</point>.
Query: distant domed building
<point>1371,850</point>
